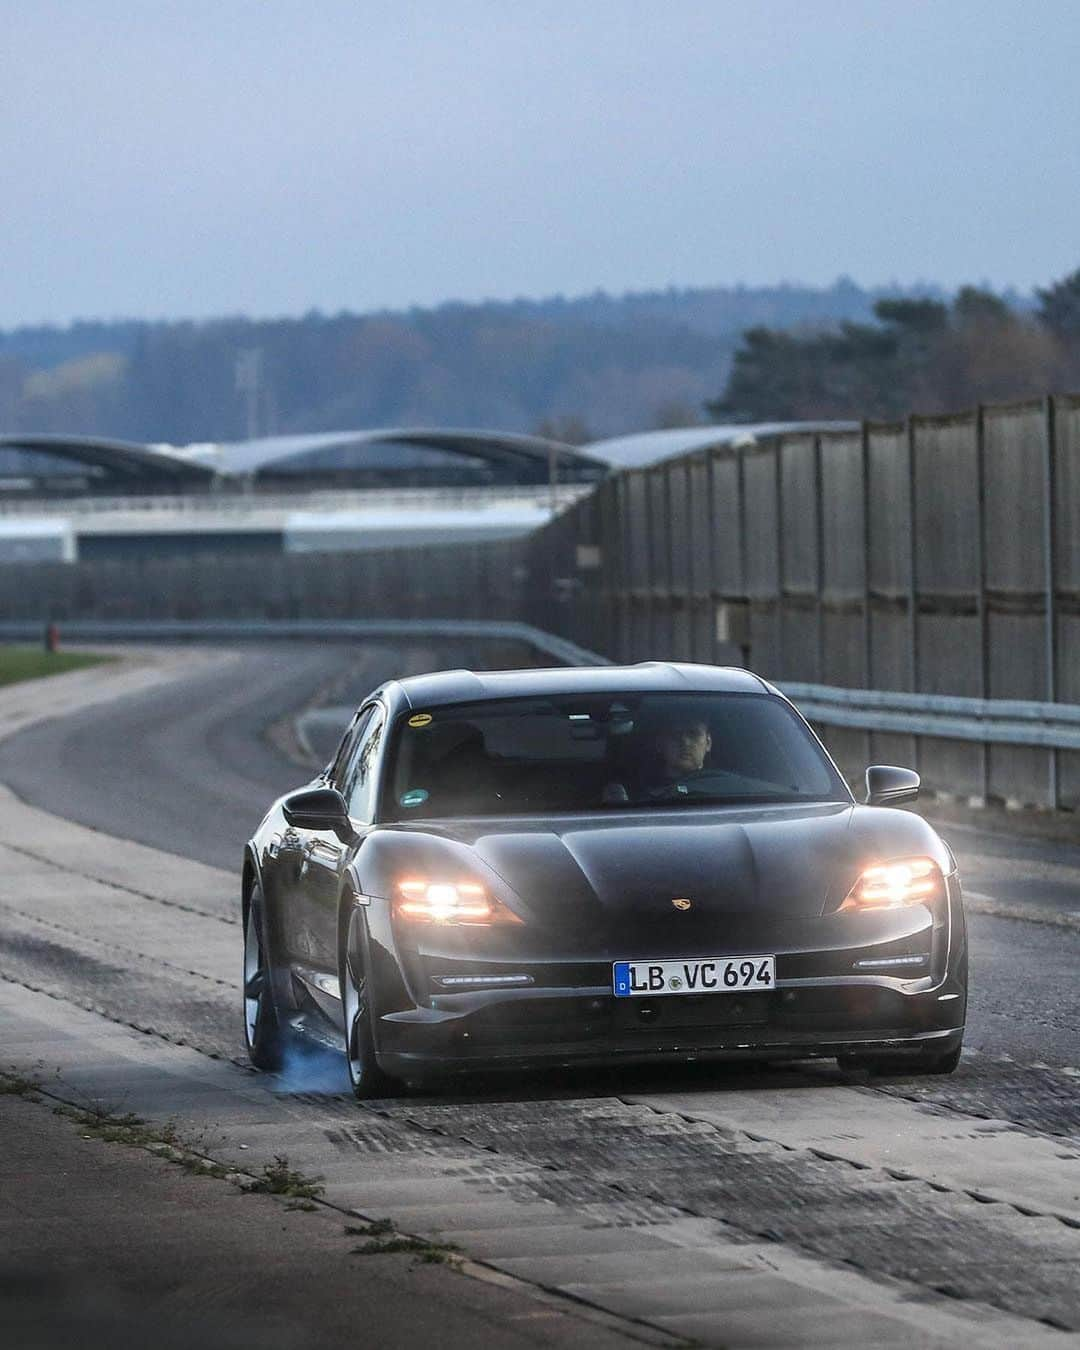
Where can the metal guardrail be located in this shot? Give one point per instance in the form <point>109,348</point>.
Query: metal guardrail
<point>1054,726</point>
<point>320,500</point>
<point>1050,726</point>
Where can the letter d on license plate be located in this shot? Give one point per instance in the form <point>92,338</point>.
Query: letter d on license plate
<point>711,975</point>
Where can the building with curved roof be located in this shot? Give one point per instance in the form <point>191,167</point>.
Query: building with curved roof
<point>399,456</point>
<point>650,447</point>
<point>40,464</point>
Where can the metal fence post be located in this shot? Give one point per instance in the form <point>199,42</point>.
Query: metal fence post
<point>650,599</point>
<point>819,560</point>
<point>710,553</point>
<point>744,553</point>
<point>778,487</point>
<point>980,598</point>
<point>691,562</point>
<point>868,631</point>
<point>1050,571</point>
<point>913,575</point>
<point>669,644</point>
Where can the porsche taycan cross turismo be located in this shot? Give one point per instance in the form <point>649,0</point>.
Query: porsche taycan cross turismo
<point>545,867</point>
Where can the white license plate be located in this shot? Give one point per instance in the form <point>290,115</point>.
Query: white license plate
<point>710,975</point>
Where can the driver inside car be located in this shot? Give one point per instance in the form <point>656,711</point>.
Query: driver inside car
<point>667,756</point>
<point>681,749</point>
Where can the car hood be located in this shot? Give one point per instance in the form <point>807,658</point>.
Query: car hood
<point>630,872</point>
<point>598,874</point>
<point>599,880</point>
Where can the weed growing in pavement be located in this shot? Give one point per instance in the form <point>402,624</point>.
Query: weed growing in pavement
<point>127,1128</point>
<point>430,1253</point>
<point>278,1178</point>
<point>385,1242</point>
<point>15,1084</point>
<point>377,1228</point>
<point>114,1126</point>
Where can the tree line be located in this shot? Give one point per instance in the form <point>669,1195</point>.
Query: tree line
<point>576,369</point>
<point>920,355</point>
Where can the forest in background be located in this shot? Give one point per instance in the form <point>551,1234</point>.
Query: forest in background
<point>578,368</point>
<point>919,355</point>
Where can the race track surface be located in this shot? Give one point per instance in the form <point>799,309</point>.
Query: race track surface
<point>964,1190</point>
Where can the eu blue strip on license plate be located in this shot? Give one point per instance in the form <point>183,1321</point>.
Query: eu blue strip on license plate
<point>696,975</point>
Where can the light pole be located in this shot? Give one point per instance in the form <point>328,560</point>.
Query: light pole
<point>248,383</point>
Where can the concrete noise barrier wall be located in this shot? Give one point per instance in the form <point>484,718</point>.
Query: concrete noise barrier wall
<point>453,581</point>
<point>940,555</point>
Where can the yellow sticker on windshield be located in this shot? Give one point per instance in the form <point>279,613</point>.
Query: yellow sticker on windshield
<point>419,719</point>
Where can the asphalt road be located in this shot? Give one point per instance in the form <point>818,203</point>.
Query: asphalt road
<point>190,767</point>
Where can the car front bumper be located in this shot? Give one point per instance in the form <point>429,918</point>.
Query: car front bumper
<point>537,1028</point>
<point>821,1007</point>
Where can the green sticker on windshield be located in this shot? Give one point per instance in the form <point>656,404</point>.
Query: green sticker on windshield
<point>414,797</point>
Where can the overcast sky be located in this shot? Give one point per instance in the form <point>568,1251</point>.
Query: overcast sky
<point>270,156</point>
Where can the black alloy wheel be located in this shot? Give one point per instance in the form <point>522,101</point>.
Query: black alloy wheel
<point>262,1026</point>
<point>365,1076</point>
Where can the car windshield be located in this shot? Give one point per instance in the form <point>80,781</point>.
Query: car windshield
<point>603,752</point>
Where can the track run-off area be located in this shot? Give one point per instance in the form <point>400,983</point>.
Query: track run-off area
<point>793,1205</point>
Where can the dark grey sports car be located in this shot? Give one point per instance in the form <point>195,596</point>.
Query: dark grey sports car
<point>648,863</point>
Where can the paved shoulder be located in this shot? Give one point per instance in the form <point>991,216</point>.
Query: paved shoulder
<point>134,1250</point>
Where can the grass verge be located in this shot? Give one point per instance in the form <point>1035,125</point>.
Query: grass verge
<point>31,663</point>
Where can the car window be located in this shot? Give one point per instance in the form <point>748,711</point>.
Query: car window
<point>596,751</point>
<point>339,764</point>
<point>359,787</point>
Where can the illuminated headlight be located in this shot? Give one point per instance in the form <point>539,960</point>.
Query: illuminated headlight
<point>423,901</point>
<point>904,881</point>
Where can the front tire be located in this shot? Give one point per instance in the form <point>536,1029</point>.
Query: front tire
<point>263,1033</point>
<point>365,1076</point>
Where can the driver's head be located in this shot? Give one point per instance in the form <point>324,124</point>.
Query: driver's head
<point>683,745</point>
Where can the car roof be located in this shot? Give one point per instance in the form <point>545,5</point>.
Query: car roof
<point>473,686</point>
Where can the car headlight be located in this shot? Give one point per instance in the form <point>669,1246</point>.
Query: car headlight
<point>901,881</point>
<point>420,900</point>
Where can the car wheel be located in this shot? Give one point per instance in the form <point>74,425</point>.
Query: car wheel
<point>365,1076</point>
<point>925,1063</point>
<point>262,1027</point>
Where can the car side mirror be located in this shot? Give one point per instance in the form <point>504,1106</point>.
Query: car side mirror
<point>887,785</point>
<point>321,808</point>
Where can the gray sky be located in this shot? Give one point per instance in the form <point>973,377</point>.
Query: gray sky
<point>269,156</point>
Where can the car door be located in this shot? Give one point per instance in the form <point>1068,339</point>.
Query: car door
<point>327,855</point>
<point>292,869</point>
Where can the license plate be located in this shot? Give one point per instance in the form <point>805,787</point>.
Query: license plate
<point>710,975</point>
